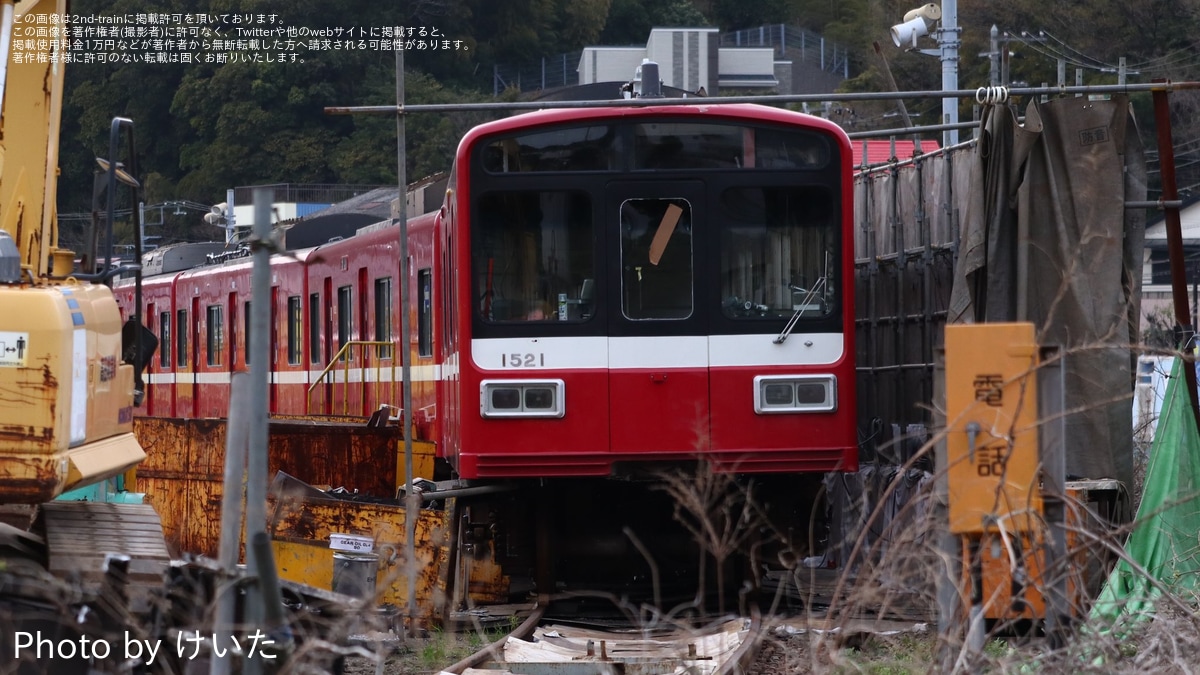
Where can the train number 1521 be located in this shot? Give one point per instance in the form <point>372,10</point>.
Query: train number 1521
<point>516,360</point>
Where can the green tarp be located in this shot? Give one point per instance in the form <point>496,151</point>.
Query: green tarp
<point>1165,541</point>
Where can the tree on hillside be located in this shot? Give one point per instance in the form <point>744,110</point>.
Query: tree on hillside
<point>368,153</point>
<point>738,14</point>
<point>204,127</point>
<point>630,21</point>
<point>523,31</point>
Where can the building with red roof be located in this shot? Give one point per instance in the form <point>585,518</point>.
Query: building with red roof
<point>879,151</point>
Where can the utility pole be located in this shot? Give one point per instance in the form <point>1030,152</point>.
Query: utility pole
<point>948,42</point>
<point>994,57</point>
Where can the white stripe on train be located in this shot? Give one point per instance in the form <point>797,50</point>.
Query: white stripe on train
<point>582,353</point>
<point>714,351</point>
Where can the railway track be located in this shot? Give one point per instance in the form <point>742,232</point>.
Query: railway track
<point>543,646</point>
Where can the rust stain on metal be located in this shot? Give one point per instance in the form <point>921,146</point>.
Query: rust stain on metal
<point>486,583</point>
<point>30,439</point>
<point>27,480</point>
<point>183,471</point>
<point>310,519</point>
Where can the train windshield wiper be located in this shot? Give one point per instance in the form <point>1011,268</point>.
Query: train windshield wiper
<point>809,296</point>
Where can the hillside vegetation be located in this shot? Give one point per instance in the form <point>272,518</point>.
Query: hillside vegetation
<point>206,127</point>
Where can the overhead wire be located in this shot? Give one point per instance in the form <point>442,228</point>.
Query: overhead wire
<point>1180,57</point>
<point>1049,53</point>
<point>1180,149</point>
<point>1044,43</point>
<point>1097,63</point>
<point>1186,152</point>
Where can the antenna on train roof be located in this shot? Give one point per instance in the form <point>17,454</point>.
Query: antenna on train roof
<point>646,82</point>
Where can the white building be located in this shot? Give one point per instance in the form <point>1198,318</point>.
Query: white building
<point>1156,266</point>
<point>689,59</point>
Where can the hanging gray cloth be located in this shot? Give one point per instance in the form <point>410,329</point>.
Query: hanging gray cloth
<point>1047,239</point>
<point>1085,270</point>
<point>983,287</point>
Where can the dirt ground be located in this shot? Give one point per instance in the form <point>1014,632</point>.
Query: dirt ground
<point>1170,643</point>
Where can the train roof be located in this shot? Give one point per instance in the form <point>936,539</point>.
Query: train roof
<point>341,220</point>
<point>367,212</point>
<point>703,107</point>
<point>182,256</point>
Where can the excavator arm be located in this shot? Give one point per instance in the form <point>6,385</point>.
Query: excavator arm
<point>66,394</point>
<point>32,84</point>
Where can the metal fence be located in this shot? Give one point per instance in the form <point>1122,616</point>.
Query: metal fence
<point>798,44</point>
<point>905,246</point>
<point>549,73</point>
<point>305,193</point>
<point>792,42</point>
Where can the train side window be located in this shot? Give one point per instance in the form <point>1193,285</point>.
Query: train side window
<point>294,329</point>
<point>246,313</point>
<point>345,318</point>
<point>383,315</point>
<point>181,338</point>
<point>425,312</point>
<point>164,339</point>
<point>216,334</point>
<point>447,308</point>
<point>314,327</point>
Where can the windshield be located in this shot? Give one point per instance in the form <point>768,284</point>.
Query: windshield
<point>533,256</point>
<point>736,229</point>
<point>778,249</point>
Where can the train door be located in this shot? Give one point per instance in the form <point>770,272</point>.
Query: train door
<point>181,403</point>
<point>328,342</point>
<point>232,343</point>
<point>448,390</point>
<point>658,348</point>
<point>273,347</point>
<point>193,330</point>
<point>151,317</point>
<point>367,360</point>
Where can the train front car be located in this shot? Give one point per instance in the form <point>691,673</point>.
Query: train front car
<point>641,287</point>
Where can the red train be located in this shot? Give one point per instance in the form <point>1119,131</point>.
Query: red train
<point>602,288</point>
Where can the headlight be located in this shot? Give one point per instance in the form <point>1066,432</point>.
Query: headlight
<point>522,398</point>
<point>795,393</point>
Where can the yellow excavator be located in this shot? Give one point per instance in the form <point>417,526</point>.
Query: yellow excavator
<point>69,372</point>
<point>76,559</point>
